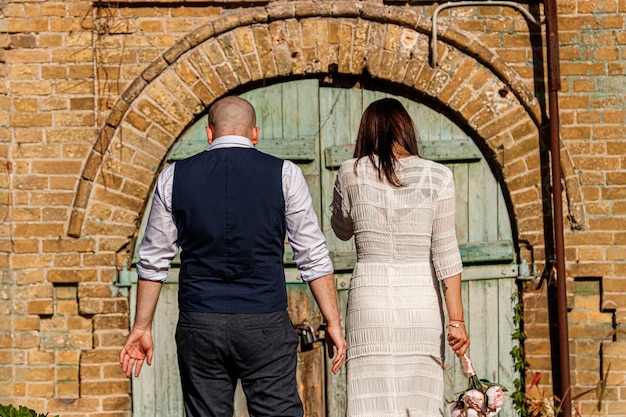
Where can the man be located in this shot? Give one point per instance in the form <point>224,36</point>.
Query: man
<point>228,209</point>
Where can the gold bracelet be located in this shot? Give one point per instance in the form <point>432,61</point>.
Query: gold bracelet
<point>455,325</point>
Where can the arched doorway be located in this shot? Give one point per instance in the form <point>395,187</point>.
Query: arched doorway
<point>315,127</point>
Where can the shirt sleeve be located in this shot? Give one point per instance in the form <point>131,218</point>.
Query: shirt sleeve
<point>160,240</point>
<point>340,219</point>
<point>445,248</point>
<point>303,232</point>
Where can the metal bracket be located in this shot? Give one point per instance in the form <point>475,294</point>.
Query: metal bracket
<point>123,281</point>
<point>514,5</point>
<point>526,272</point>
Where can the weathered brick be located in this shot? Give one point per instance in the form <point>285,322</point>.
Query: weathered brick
<point>25,340</point>
<point>611,223</point>
<point>66,307</point>
<point>40,390</point>
<point>67,245</point>
<point>91,372</point>
<point>41,307</point>
<point>25,246</point>
<point>72,275</point>
<point>26,323</point>
<point>67,389</point>
<point>78,323</point>
<point>108,322</point>
<point>100,356</point>
<point>22,56</point>
<point>62,340</point>
<point>30,120</point>
<point>67,260</point>
<point>116,403</point>
<point>90,306</point>
<point>619,208</point>
<point>589,269</point>
<point>67,357</point>
<point>104,388</point>
<point>18,389</point>
<point>108,339</point>
<point>75,405</point>
<point>30,276</point>
<point>609,132</point>
<point>119,305</point>
<point>40,357</point>
<point>66,373</point>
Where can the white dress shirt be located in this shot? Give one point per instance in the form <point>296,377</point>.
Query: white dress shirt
<point>160,240</point>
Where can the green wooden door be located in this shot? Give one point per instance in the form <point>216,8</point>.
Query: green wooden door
<point>316,128</point>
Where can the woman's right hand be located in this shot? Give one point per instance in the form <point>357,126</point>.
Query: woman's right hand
<point>458,339</point>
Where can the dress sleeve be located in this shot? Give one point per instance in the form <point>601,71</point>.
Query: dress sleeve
<point>445,249</point>
<point>340,220</point>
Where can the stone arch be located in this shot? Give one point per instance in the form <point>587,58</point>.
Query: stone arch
<point>303,39</point>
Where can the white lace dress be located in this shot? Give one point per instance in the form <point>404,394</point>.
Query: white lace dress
<point>405,241</point>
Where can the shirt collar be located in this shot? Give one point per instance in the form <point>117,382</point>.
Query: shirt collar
<point>231,141</point>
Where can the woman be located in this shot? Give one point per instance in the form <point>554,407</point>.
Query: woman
<point>400,209</point>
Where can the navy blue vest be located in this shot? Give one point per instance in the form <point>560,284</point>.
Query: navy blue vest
<point>229,209</point>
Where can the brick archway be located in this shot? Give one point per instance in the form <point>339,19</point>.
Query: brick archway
<point>304,39</point>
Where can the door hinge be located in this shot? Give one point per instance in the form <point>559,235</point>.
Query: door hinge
<point>526,272</point>
<point>123,282</point>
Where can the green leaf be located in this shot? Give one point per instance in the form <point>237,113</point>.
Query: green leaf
<point>22,411</point>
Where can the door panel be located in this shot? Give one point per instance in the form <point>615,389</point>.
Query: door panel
<point>287,115</point>
<point>316,129</point>
<point>156,393</point>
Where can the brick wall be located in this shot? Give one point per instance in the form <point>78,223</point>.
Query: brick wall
<point>92,96</point>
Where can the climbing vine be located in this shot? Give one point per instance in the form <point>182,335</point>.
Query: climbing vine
<point>519,356</point>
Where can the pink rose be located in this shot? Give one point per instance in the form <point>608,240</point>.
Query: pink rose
<point>456,410</point>
<point>474,399</point>
<point>495,397</point>
<point>473,413</point>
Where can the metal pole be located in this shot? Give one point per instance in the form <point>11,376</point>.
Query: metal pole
<point>554,84</point>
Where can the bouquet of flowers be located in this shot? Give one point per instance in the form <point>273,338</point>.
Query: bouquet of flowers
<point>481,399</point>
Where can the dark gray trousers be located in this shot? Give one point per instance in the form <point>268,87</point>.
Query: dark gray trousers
<point>215,350</point>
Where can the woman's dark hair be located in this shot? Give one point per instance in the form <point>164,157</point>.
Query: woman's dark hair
<point>386,126</point>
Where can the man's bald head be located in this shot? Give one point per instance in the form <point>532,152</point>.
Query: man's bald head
<point>232,116</point>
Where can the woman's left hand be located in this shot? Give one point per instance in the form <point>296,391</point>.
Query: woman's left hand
<point>458,339</point>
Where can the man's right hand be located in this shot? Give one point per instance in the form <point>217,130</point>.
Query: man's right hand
<point>137,349</point>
